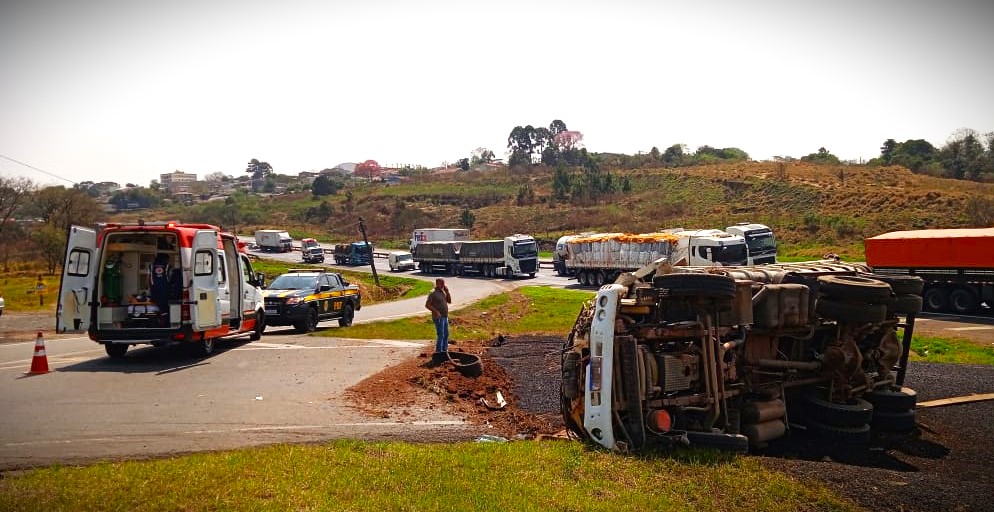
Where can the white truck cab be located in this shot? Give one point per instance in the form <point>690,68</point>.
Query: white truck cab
<point>158,283</point>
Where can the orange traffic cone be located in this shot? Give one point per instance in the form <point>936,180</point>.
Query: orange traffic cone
<point>39,363</point>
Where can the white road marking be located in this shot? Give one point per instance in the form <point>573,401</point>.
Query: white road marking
<point>976,328</point>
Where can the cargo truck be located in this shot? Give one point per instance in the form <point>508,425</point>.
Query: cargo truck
<point>737,357</point>
<point>273,240</point>
<point>438,235</point>
<point>355,253</point>
<point>957,265</point>
<point>158,283</point>
<point>599,258</point>
<point>513,256</point>
<point>760,242</point>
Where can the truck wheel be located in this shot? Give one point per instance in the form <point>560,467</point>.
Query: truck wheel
<point>936,299</point>
<point>347,315</point>
<point>702,285</point>
<point>856,434</point>
<point>892,398</point>
<point>849,312</point>
<point>309,323</point>
<point>854,413</point>
<point>893,421</point>
<point>260,326</point>
<point>902,284</point>
<point>854,287</point>
<point>908,303</point>
<point>963,301</point>
<point>116,350</point>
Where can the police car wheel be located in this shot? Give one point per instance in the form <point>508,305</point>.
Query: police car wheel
<point>347,315</point>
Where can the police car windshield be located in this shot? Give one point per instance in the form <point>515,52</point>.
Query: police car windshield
<point>294,282</point>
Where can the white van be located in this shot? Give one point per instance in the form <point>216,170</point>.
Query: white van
<point>400,260</point>
<point>158,283</point>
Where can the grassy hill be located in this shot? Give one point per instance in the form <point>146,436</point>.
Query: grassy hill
<point>814,209</point>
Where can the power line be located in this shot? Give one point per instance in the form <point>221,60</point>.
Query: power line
<point>52,174</point>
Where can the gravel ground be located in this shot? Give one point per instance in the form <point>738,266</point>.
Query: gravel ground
<point>946,465</point>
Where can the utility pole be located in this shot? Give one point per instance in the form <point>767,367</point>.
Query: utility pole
<point>372,263</point>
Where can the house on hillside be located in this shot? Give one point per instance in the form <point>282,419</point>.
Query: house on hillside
<point>177,181</point>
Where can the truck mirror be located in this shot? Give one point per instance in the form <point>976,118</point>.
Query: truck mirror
<point>260,279</point>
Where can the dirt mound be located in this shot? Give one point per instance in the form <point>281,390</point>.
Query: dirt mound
<point>525,370</point>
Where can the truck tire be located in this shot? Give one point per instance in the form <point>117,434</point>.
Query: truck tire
<point>902,284</point>
<point>702,285</point>
<point>892,398</point>
<point>854,287</point>
<point>116,350</point>
<point>309,323</point>
<point>855,435</point>
<point>850,312</point>
<point>963,301</point>
<point>894,421</point>
<point>348,314</point>
<point>907,303</point>
<point>936,299</point>
<point>852,414</point>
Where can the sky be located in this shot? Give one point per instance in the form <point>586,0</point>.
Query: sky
<point>118,90</point>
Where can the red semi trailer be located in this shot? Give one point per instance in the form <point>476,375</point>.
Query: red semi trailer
<point>957,265</point>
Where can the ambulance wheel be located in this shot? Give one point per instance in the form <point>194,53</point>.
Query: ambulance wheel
<point>116,350</point>
<point>260,326</point>
<point>205,347</point>
<point>347,315</point>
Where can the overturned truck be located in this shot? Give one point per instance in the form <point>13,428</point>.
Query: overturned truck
<point>736,357</point>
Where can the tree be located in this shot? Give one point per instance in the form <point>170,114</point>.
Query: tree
<point>467,219</point>
<point>50,241</point>
<point>821,157</point>
<point>368,169</point>
<point>463,164</point>
<point>259,171</point>
<point>963,156</point>
<point>62,207</point>
<point>887,150</point>
<point>675,155</point>
<point>481,156</point>
<point>556,127</point>
<point>519,142</point>
<point>14,191</point>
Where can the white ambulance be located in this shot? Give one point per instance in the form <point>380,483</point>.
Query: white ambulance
<point>158,283</point>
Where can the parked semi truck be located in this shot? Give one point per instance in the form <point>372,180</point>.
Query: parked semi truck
<point>761,245</point>
<point>599,258</point>
<point>956,265</point>
<point>438,235</point>
<point>355,253</point>
<point>735,358</point>
<point>513,256</point>
<point>273,240</point>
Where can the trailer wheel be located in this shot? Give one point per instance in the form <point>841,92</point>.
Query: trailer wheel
<point>702,285</point>
<point>856,434</point>
<point>347,315</point>
<point>854,287</point>
<point>907,303</point>
<point>893,421</point>
<point>851,312</point>
<point>936,299</point>
<point>963,301</point>
<point>116,350</point>
<point>892,398</point>
<point>902,284</point>
<point>854,413</point>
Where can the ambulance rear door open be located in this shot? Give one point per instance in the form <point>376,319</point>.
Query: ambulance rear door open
<point>79,278</point>
<point>205,307</point>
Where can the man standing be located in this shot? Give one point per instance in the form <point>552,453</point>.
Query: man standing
<point>438,303</point>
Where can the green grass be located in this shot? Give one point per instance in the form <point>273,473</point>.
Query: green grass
<point>356,475</point>
<point>544,311</point>
<point>20,293</point>
<point>950,350</point>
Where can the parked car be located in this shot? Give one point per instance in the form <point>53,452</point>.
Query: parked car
<point>304,297</point>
